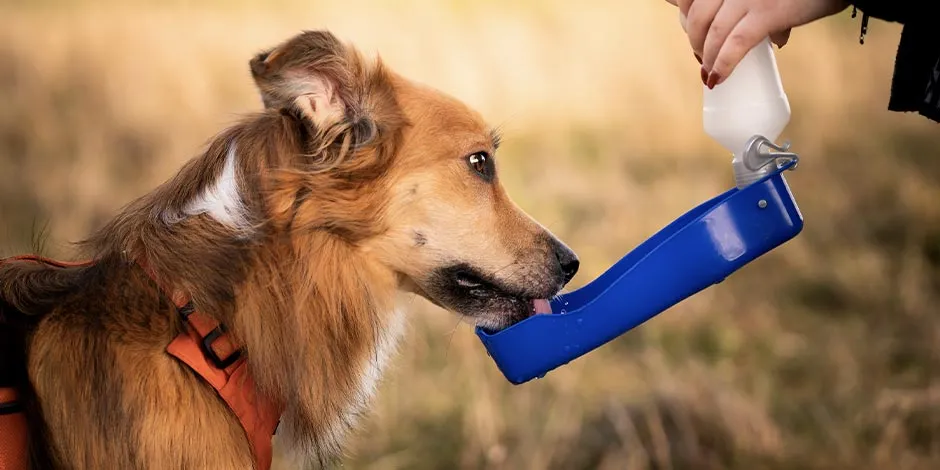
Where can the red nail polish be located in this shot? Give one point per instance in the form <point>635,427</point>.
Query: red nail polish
<point>704,76</point>
<point>699,59</point>
<point>712,80</point>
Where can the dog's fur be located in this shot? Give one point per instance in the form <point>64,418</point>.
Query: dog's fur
<point>296,228</point>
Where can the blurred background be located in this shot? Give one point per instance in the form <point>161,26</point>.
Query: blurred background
<point>822,354</point>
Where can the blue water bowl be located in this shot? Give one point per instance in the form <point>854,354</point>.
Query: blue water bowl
<point>700,248</point>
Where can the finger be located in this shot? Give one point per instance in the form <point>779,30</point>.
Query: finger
<point>725,21</point>
<point>699,19</point>
<point>747,34</point>
<point>673,2</point>
<point>683,9</point>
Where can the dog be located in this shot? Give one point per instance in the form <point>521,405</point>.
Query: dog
<point>296,230</point>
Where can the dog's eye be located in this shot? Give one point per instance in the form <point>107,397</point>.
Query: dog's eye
<point>482,164</point>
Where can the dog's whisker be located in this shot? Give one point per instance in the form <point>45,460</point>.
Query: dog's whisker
<point>453,332</point>
<point>498,271</point>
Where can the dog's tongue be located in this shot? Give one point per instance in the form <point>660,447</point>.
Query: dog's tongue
<point>541,306</point>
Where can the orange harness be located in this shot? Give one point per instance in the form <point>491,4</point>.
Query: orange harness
<point>206,349</point>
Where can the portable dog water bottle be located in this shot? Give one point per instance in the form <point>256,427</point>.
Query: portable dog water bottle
<point>751,101</point>
<point>700,248</point>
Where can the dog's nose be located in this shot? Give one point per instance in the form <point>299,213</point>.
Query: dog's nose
<point>567,260</point>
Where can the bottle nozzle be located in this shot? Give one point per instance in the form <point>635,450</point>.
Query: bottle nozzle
<point>755,161</point>
<point>756,156</point>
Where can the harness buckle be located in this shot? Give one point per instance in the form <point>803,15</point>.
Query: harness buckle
<point>11,407</point>
<point>206,344</point>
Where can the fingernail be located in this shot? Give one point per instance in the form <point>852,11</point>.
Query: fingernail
<point>699,59</point>
<point>704,76</point>
<point>712,80</point>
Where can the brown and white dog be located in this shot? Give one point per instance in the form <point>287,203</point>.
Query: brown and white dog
<point>296,229</point>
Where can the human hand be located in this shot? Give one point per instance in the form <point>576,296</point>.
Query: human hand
<point>721,32</point>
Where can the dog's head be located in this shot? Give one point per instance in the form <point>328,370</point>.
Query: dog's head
<point>411,177</point>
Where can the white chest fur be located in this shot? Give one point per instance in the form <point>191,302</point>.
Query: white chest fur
<point>372,366</point>
<point>368,374</point>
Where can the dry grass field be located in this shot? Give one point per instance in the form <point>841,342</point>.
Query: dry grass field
<point>823,354</point>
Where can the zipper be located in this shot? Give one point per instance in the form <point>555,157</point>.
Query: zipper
<point>864,30</point>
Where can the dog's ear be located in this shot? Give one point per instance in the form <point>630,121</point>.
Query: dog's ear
<point>353,125</point>
<point>348,104</point>
<point>311,73</point>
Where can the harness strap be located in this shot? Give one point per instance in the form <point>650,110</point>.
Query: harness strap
<point>227,373</point>
<point>13,446</point>
<point>209,351</point>
<point>13,428</point>
<point>49,261</point>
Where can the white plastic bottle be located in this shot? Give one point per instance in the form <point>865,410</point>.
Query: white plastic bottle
<point>750,101</point>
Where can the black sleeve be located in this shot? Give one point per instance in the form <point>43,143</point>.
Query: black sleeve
<point>915,86</point>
